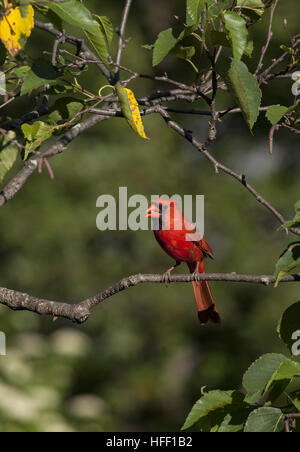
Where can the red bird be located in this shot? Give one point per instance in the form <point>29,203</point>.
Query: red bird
<point>180,239</point>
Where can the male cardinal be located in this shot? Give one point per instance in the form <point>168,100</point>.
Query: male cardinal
<point>180,239</point>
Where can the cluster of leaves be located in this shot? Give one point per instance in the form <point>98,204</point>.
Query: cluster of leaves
<point>41,76</point>
<point>232,18</point>
<point>268,394</point>
<point>290,258</point>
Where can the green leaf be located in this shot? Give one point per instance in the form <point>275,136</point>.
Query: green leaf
<point>50,16</point>
<point>64,109</point>
<point>251,9</point>
<point>287,370</point>
<point>211,401</point>
<point>98,41</point>
<point>295,399</point>
<point>42,73</point>
<point>289,260</point>
<point>238,33</point>
<point>259,374</point>
<point>8,154</point>
<point>246,90</point>
<point>193,11</point>
<point>35,135</point>
<point>266,420</point>
<point>106,28</point>
<point>215,7</point>
<point>184,53</point>
<point>249,49</point>
<point>275,113</point>
<point>289,324</point>
<point>165,42</point>
<point>74,13</point>
<point>295,222</point>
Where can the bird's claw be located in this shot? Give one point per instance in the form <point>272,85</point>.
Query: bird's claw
<point>166,277</point>
<point>196,276</point>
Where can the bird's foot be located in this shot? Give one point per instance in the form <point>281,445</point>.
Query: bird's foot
<point>196,276</point>
<point>166,277</point>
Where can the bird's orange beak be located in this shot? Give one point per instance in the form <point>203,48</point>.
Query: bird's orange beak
<point>153,212</point>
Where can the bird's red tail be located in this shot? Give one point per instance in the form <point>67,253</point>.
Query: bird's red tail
<point>206,307</point>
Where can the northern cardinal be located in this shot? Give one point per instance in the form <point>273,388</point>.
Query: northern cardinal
<point>180,239</point>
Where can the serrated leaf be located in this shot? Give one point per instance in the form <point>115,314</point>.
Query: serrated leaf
<point>289,324</point>
<point>130,109</point>
<point>246,90</point>
<point>15,28</point>
<point>289,260</point>
<point>211,401</point>
<point>8,154</point>
<point>265,419</point>
<point>98,41</point>
<point>259,374</point>
<point>238,33</point>
<point>106,28</point>
<point>193,11</point>
<point>41,73</point>
<point>275,113</point>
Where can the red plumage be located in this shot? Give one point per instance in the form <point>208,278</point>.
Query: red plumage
<point>180,239</point>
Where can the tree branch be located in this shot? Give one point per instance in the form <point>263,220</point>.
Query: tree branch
<point>80,312</point>
<point>121,37</point>
<point>79,43</point>
<point>188,135</point>
<point>10,190</point>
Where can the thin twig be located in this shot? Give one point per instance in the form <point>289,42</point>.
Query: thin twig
<point>121,37</point>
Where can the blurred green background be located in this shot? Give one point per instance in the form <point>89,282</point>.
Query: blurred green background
<point>140,361</point>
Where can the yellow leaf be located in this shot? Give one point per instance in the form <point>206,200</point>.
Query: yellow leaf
<point>14,28</point>
<point>130,109</point>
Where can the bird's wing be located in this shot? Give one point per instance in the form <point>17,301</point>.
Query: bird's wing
<point>197,238</point>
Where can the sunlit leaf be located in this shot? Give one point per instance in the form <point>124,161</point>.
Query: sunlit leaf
<point>238,33</point>
<point>193,11</point>
<point>130,109</point>
<point>15,27</point>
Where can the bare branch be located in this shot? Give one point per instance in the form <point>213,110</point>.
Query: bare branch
<point>78,43</point>
<point>121,37</point>
<point>80,312</point>
<point>270,34</point>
